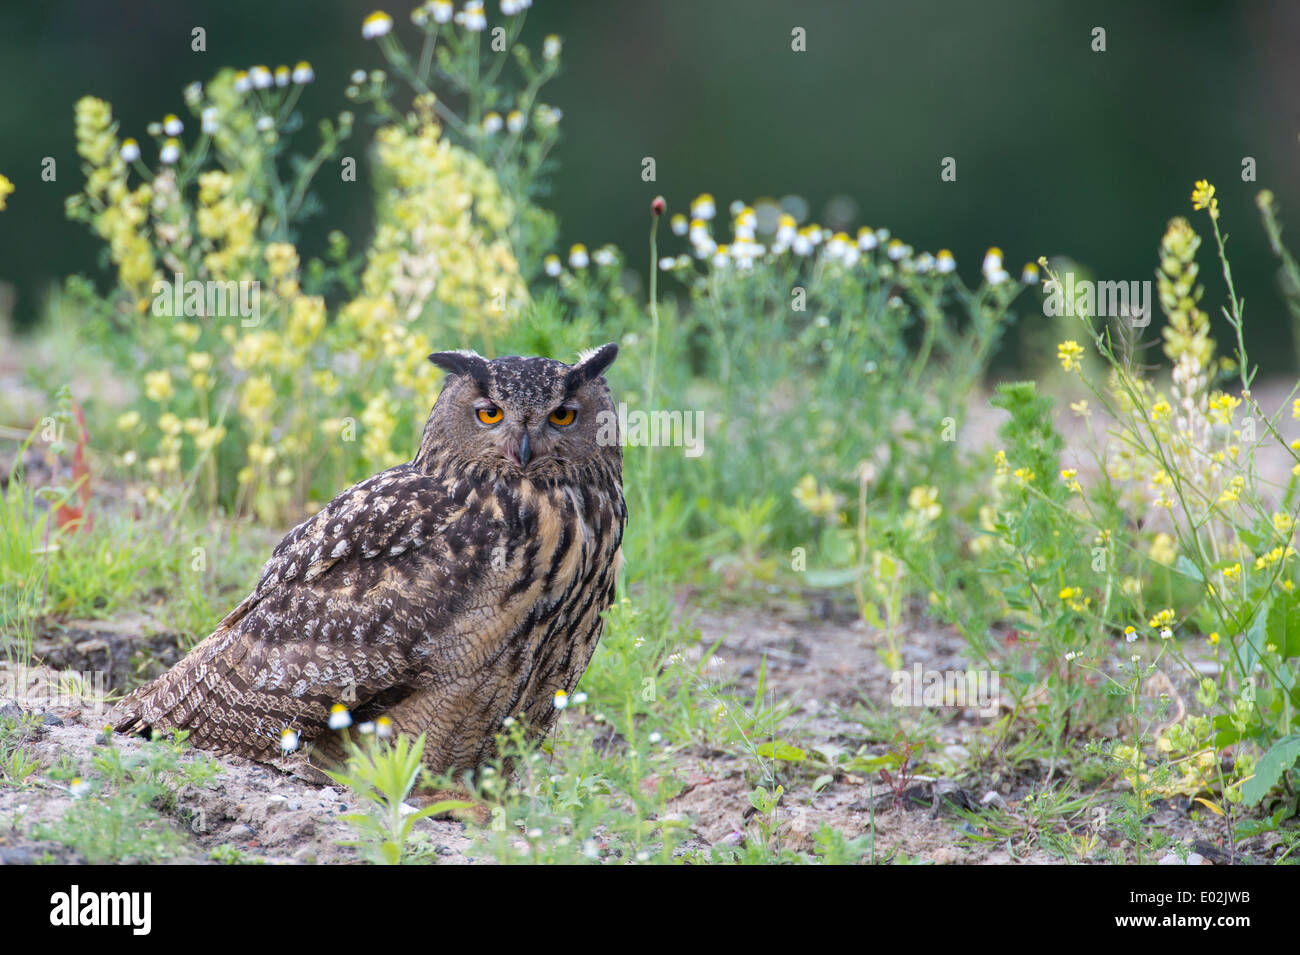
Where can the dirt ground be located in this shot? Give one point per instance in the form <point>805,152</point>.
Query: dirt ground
<point>826,667</point>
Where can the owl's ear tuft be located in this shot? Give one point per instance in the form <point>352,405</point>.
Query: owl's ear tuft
<point>591,365</point>
<point>468,363</point>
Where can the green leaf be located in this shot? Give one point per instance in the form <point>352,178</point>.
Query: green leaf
<point>826,579</point>
<point>778,749</point>
<point>1280,757</point>
<point>1188,569</point>
<point>1256,637</point>
<point>1283,626</point>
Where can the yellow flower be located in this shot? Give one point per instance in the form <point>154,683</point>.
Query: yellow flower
<point>1069,352</point>
<point>1222,406</point>
<point>925,498</point>
<point>816,500</point>
<point>1273,556</point>
<point>256,397</point>
<point>1203,198</point>
<point>1163,619</point>
<point>209,437</point>
<point>128,421</point>
<point>158,385</point>
<point>1080,408</point>
<point>1233,491</point>
<point>169,424</point>
<point>1161,411</point>
<point>6,188</point>
<point>1214,638</point>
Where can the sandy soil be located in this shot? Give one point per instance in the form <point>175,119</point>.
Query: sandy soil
<point>826,668</point>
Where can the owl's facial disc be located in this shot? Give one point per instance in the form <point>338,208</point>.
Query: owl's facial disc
<point>516,437</point>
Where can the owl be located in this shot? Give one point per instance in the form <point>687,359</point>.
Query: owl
<point>446,594</point>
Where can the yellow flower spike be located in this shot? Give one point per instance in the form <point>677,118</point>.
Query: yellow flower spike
<point>1069,353</point>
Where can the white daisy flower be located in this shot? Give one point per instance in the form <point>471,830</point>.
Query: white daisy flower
<point>475,21</point>
<point>551,265</point>
<point>340,718</point>
<point>260,77</point>
<point>492,122</point>
<point>208,120</point>
<point>303,73</point>
<point>561,699</point>
<point>551,47</point>
<point>992,267</point>
<point>171,151</point>
<point>172,125</point>
<point>578,257</point>
<point>288,740</point>
<point>376,25</point>
<point>130,150</point>
<point>515,121</point>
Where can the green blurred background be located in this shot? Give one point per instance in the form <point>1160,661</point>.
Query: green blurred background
<point>1059,150</point>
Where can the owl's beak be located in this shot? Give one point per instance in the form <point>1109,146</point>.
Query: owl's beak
<point>524,452</point>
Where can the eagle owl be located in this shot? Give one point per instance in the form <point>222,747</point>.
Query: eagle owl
<point>446,594</point>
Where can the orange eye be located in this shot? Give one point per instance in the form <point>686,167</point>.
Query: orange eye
<point>492,415</point>
<point>563,417</point>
